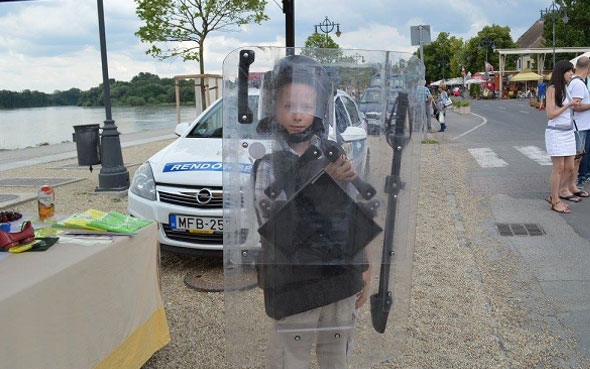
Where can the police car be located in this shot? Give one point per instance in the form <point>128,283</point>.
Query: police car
<point>181,186</point>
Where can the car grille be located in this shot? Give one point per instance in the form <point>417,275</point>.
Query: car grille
<point>185,236</point>
<point>190,197</point>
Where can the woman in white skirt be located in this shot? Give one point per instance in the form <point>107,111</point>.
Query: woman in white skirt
<point>560,141</point>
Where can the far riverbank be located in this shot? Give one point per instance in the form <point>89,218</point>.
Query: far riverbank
<point>32,127</point>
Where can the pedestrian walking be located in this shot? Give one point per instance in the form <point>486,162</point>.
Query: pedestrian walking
<point>428,103</point>
<point>541,92</point>
<point>441,106</point>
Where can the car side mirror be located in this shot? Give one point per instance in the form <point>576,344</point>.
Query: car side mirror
<point>354,134</point>
<point>180,129</point>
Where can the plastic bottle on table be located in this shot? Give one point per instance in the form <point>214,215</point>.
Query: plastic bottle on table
<point>46,202</point>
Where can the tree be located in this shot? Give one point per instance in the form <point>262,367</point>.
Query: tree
<point>181,26</point>
<point>490,38</point>
<point>322,48</point>
<point>451,53</point>
<point>321,41</point>
<point>574,33</point>
<point>439,55</point>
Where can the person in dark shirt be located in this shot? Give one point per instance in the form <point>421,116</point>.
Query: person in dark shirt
<point>306,289</point>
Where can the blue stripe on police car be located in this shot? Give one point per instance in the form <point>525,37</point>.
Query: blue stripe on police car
<point>201,166</point>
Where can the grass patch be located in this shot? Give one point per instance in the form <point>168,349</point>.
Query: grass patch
<point>429,141</point>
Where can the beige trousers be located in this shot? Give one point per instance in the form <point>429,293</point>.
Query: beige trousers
<point>330,327</point>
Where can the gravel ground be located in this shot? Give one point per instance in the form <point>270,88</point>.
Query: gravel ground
<point>473,303</point>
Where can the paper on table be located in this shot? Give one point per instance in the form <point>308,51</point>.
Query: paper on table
<point>86,240</point>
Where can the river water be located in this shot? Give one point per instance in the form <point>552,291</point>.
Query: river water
<point>20,128</point>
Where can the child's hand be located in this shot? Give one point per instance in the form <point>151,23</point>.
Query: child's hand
<point>363,294</point>
<point>341,170</point>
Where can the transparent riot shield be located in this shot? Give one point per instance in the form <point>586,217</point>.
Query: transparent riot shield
<point>321,151</point>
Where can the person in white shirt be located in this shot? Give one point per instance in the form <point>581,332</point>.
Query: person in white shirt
<point>579,90</point>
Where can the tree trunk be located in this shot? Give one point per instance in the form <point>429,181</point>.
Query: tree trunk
<point>202,71</point>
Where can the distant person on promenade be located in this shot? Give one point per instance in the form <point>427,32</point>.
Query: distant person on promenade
<point>579,90</point>
<point>441,106</point>
<point>428,103</point>
<point>560,141</point>
<point>541,91</point>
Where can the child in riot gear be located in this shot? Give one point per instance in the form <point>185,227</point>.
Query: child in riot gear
<point>310,293</point>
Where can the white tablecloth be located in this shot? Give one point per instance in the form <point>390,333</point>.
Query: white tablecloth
<point>78,307</point>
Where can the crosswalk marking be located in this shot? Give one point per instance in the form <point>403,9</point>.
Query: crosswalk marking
<point>535,153</point>
<point>486,158</point>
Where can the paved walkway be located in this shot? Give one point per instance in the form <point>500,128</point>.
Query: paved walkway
<point>11,159</point>
<point>505,272</point>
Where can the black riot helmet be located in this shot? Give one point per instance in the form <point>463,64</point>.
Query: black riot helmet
<point>297,69</point>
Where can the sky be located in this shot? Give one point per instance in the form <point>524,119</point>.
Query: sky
<point>49,45</point>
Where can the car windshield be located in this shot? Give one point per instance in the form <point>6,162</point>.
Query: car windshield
<point>373,96</point>
<point>211,125</point>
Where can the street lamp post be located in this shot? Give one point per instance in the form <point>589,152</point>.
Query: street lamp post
<point>443,64</point>
<point>487,43</point>
<point>327,26</point>
<point>113,175</point>
<point>553,11</point>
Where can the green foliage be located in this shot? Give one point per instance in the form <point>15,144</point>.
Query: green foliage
<point>32,99</point>
<point>458,103</point>
<point>474,90</point>
<point>447,54</point>
<point>476,48</point>
<point>322,48</point>
<point>178,28</point>
<point>321,41</point>
<point>135,101</point>
<point>574,33</point>
<point>145,88</point>
<point>450,54</point>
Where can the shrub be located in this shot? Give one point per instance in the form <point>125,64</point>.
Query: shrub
<point>460,103</point>
<point>474,90</point>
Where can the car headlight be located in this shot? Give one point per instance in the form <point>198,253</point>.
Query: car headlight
<point>143,183</point>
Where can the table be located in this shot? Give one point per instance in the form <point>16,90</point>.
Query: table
<point>79,306</point>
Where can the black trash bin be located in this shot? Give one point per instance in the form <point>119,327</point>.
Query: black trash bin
<point>87,140</point>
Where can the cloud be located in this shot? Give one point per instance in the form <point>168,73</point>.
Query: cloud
<point>54,45</point>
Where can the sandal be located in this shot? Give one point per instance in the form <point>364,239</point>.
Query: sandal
<point>566,209</point>
<point>582,193</point>
<point>572,198</point>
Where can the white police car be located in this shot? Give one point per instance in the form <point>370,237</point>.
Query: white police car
<point>181,186</point>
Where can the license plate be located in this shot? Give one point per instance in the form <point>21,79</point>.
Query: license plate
<point>206,225</point>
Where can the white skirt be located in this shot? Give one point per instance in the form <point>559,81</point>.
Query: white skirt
<point>560,143</point>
